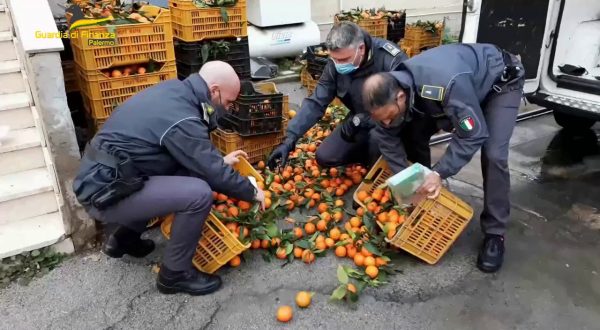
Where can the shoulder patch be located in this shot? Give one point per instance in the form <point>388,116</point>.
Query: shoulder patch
<point>391,49</point>
<point>467,124</point>
<point>435,93</point>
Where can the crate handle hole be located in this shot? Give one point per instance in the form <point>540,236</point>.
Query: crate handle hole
<point>418,218</point>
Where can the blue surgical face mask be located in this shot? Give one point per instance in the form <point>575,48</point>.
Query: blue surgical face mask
<point>347,68</point>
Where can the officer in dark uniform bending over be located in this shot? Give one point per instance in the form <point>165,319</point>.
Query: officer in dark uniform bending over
<point>473,90</point>
<point>355,55</point>
<point>154,157</point>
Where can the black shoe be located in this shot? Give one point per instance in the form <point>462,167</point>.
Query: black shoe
<point>491,254</point>
<point>126,241</point>
<point>191,282</point>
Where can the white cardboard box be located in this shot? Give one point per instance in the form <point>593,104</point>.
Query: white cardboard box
<point>264,13</point>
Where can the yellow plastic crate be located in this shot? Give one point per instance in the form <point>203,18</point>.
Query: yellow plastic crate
<point>432,227</point>
<point>218,245</point>
<point>417,38</point>
<point>102,94</point>
<point>134,43</point>
<point>191,23</point>
<point>257,147</point>
<point>376,27</point>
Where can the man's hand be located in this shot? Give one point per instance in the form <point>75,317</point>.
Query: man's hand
<point>280,154</point>
<point>432,186</point>
<point>351,126</point>
<point>233,158</point>
<point>260,197</point>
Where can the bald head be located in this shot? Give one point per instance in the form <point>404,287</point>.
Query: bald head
<point>223,82</point>
<point>383,97</point>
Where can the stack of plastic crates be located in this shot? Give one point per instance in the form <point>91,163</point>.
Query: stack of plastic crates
<point>127,59</point>
<point>417,39</point>
<point>205,33</point>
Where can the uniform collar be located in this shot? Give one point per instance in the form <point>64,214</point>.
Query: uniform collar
<point>199,87</point>
<point>368,60</point>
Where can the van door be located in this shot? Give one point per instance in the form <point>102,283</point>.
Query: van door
<point>522,28</point>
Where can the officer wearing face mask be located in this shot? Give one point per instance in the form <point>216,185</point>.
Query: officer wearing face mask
<point>354,56</point>
<point>472,90</point>
<point>154,157</point>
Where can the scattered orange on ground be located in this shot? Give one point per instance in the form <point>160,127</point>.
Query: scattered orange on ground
<point>284,313</point>
<point>340,251</point>
<point>236,261</point>
<point>303,299</point>
<point>372,271</point>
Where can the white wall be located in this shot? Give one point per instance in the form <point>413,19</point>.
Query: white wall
<point>324,10</point>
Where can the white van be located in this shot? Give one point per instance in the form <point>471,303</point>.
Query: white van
<point>548,35</point>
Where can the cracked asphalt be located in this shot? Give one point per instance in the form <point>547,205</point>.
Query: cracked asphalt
<point>551,277</point>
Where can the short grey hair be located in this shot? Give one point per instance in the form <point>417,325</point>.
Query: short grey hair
<point>344,35</point>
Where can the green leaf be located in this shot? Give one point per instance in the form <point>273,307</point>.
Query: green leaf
<point>303,244</point>
<point>289,248</point>
<point>352,296</point>
<point>341,275</point>
<point>369,221</point>
<point>339,293</point>
<point>204,52</point>
<point>224,15</point>
<point>272,230</point>
<point>341,243</point>
<point>372,248</point>
<point>266,257</point>
<point>352,235</point>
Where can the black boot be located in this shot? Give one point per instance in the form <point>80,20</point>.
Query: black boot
<point>191,282</point>
<point>126,241</point>
<point>491,254</point>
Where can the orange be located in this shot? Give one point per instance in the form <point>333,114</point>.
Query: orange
<point>316,196</point>
<point>356,178</point>
<point>312,203</point>
<point>261,165</point>
<point>316,173</point>
<point>312,147</point>
<point>372,271</point>
<point>325,183</point>
<point>339,203</point>
<point>339,192</point>
<point>232,226</point>
<point>281,254</point>
<point>308,257</point>
<point>348,182</point>
<point>329,242</point>
<point>372,206</point>
<point>255,244</point>
<point>401,219</point>
<point>359,260</point>
<point>335,233</point>
<point>320,238</point>
<point>303,299</point>
<point>380,262</point>
<point>377,194</point>
<point>333,172</point>
<point>268,202</point>
<point>260,185</point>
<point>355,222</point>
<point>276,241</point>
<point>338,216</point>
<point>298,252</point>
<point>308,193</point>
<point>344,186</point>
<point>360,211</point>
<point>265,244</point>
<point>369,261</point>
<point>350,251</point>
<point>290,205</point>
<point>321,245</point>
<point>215,195</point>
<point>322,207</point>
<point>344,237</point>
<point>326,216</point>
<point>244,230</point>
<point>393,216</point>
<point>267,193</point>
<point>298,232</point>
<point>233,211</point>
<point>141,70</point>
<point>391,229</point>
<point>244,206</point>
<point>350,287</point>
<point>236,261</point>
<point>116,74</point>
<point>322,225</point>
<point>284,313</point>
<point>287,187</point>
<point>298,178</point>
<point>221,197</point>
<point>348,226</point>
<point>382,217</point>
<point>221,207</point>
<point>340,251</point>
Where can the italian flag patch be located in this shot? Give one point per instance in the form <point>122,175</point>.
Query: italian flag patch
<point>467,124</point>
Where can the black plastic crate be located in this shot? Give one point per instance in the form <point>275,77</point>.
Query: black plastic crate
<point>235,51</point>
<point>396,26</point>
<point>251,127</point>
<point>315,63</point>
<point>240,67</point>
